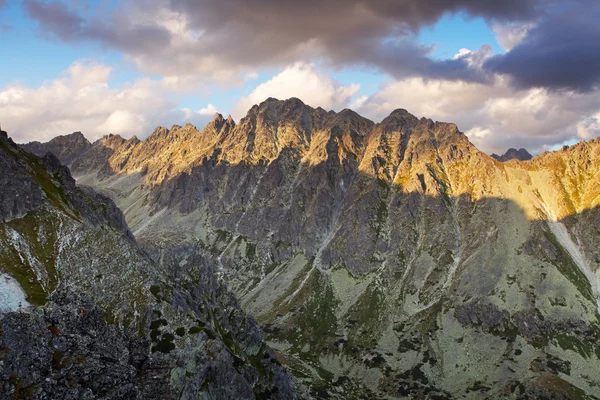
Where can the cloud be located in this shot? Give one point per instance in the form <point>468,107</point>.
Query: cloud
<point>511,34</point>
<point>251,76</point>
<point>122,122</point>
<point>303,81</point>
<point>208,110</point>
<point>83,100</point>
<point>495,116</point>
<point>117,30</point>
<point>550,43</point>
<point>83,75</point>
<point>561,52</point>
<point>228,38</point>
<point>589,127</point>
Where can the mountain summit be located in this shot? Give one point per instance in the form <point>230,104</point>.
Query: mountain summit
<point>514,154</point>
<point>388,260</point>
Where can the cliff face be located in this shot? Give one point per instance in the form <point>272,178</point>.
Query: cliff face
<point>86,313</point>
<point>382,260</point>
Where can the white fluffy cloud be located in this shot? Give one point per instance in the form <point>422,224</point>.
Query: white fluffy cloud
<point>83,100</point>
<point>494,116</point>
<point>303,81</point>
<point>589,127</point>
<point>208,110</point>
<point>511,34</point>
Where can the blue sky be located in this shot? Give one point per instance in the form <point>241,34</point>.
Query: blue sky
<point>121,67</point>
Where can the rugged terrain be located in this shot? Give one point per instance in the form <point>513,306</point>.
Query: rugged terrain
<point>86,313</point>
<point>389,260</point>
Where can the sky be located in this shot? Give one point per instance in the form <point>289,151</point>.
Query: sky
<point>513,73</point>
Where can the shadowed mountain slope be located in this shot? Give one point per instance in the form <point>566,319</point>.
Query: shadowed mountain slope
<point>389,260</point>
<point>86,313</point>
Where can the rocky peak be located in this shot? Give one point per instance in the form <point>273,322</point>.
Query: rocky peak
<point>398,119</point>
<point>159,132</point>
<point>216,122</point>
<point>77,137</point>
<point>67,148</point>
<point>514,154</point>
<point>112,141</point>
<point>400,113</point>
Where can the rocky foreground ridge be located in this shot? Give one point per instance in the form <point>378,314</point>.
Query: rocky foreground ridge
<point>85,313</point>
<point>389,260</point>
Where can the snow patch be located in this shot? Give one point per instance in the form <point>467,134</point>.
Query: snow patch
<point>11,294</point>
<point>564,238</point>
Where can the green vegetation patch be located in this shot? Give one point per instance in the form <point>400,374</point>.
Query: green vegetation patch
<point>38,231</point>
<point>585,349</point>
<point>165,345</point>
<point>364,317</point>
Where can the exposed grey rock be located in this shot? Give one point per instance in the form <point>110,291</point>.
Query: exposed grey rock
<point>65,350</point>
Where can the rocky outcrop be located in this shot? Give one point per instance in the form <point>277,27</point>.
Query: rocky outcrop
<point>142,330</point>
<point>382,260</point>
<point>66,350</point>
<point>513,154</point>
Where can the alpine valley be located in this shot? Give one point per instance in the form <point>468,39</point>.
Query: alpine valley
<point>381,261</point>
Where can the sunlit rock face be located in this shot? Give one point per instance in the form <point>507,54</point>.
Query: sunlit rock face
<point>389,260</point>
<point>86,313</point>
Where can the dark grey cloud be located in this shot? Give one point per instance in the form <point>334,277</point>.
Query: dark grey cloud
<point>369,32</point>
<point>255,33</point>
<point>405,58</point>
<point>55,18</point>
<point>561,52</point>
<point>305,19</point>
<point>116,30</point>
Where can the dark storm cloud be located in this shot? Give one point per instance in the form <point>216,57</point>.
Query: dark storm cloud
<point>373,33</point>
<point>304,19</point>
<point>56,18</point>
<point>404,58</point>
<point>561,52</point>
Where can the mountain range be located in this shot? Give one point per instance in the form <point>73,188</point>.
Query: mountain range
<point>381,260</point>
<point>86,313</point>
